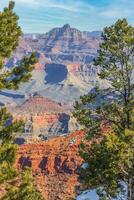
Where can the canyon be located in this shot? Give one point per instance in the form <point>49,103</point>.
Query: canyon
<point>65,69</point>
<point>63,73</point>
<point>44,118</point>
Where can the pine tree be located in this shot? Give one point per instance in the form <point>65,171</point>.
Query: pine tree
<point>26,189</point>
<point>10,32</point>
<point>9,38</point>
<point>110,156</point>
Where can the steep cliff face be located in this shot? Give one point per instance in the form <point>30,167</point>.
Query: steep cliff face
<point>62,44</point>
<point>65,69</point>
<point>64,72</point>
<point>67,39</point>
<point>55,164</point>
<point>44,117</point>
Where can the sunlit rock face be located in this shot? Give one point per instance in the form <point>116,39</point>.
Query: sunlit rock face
<point>63,73</point>
<point>65,67</point>
<point>44,117</point>
<point>55,164</point>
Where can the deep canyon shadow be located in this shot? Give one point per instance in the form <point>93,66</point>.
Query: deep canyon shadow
<point>12,95</point>
<point>55,73</point>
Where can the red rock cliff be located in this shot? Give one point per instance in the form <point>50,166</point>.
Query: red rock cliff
<point>55,164</point>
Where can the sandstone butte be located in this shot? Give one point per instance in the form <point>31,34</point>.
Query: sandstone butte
<point>55,165</point>
<point>41,112</point>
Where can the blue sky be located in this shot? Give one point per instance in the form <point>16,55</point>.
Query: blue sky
<point>40,16</point>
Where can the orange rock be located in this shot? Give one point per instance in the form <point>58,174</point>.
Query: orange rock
<point>55,164</point>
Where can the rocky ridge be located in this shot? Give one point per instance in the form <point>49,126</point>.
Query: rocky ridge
<point>64,72</point>
<point>55,165</point>
<point>44,118</point>
<point>65,69</point>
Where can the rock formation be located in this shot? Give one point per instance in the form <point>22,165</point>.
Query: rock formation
<point>64,72</point>
<point>44,117</point>
<point>55,165</point>
<point>65,69</point>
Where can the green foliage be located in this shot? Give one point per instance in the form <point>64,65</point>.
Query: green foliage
<point>110,156</point>
<point>22,73</point>
<point>8,127</point>
<point>26,189</point>
<point>115,58</point>
<point>110,162</point>
<point>7,159</point>
<point>9,32</point>
<point>9,39</point>
<point>10,79</point>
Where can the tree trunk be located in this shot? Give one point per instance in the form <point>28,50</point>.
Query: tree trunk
<point>131,189</point>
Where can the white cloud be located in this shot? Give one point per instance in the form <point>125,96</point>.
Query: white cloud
<point>115,13</point>
<point>68,6</point>
<point>79,13</point>
<point>118,9</point>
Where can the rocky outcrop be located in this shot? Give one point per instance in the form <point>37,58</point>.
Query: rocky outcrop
<point>43,116</point>
<point>65,68</point>
<point>67,39</point>
<point>55,164</point>
<point>39,104</point>
<point>64,72</point>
